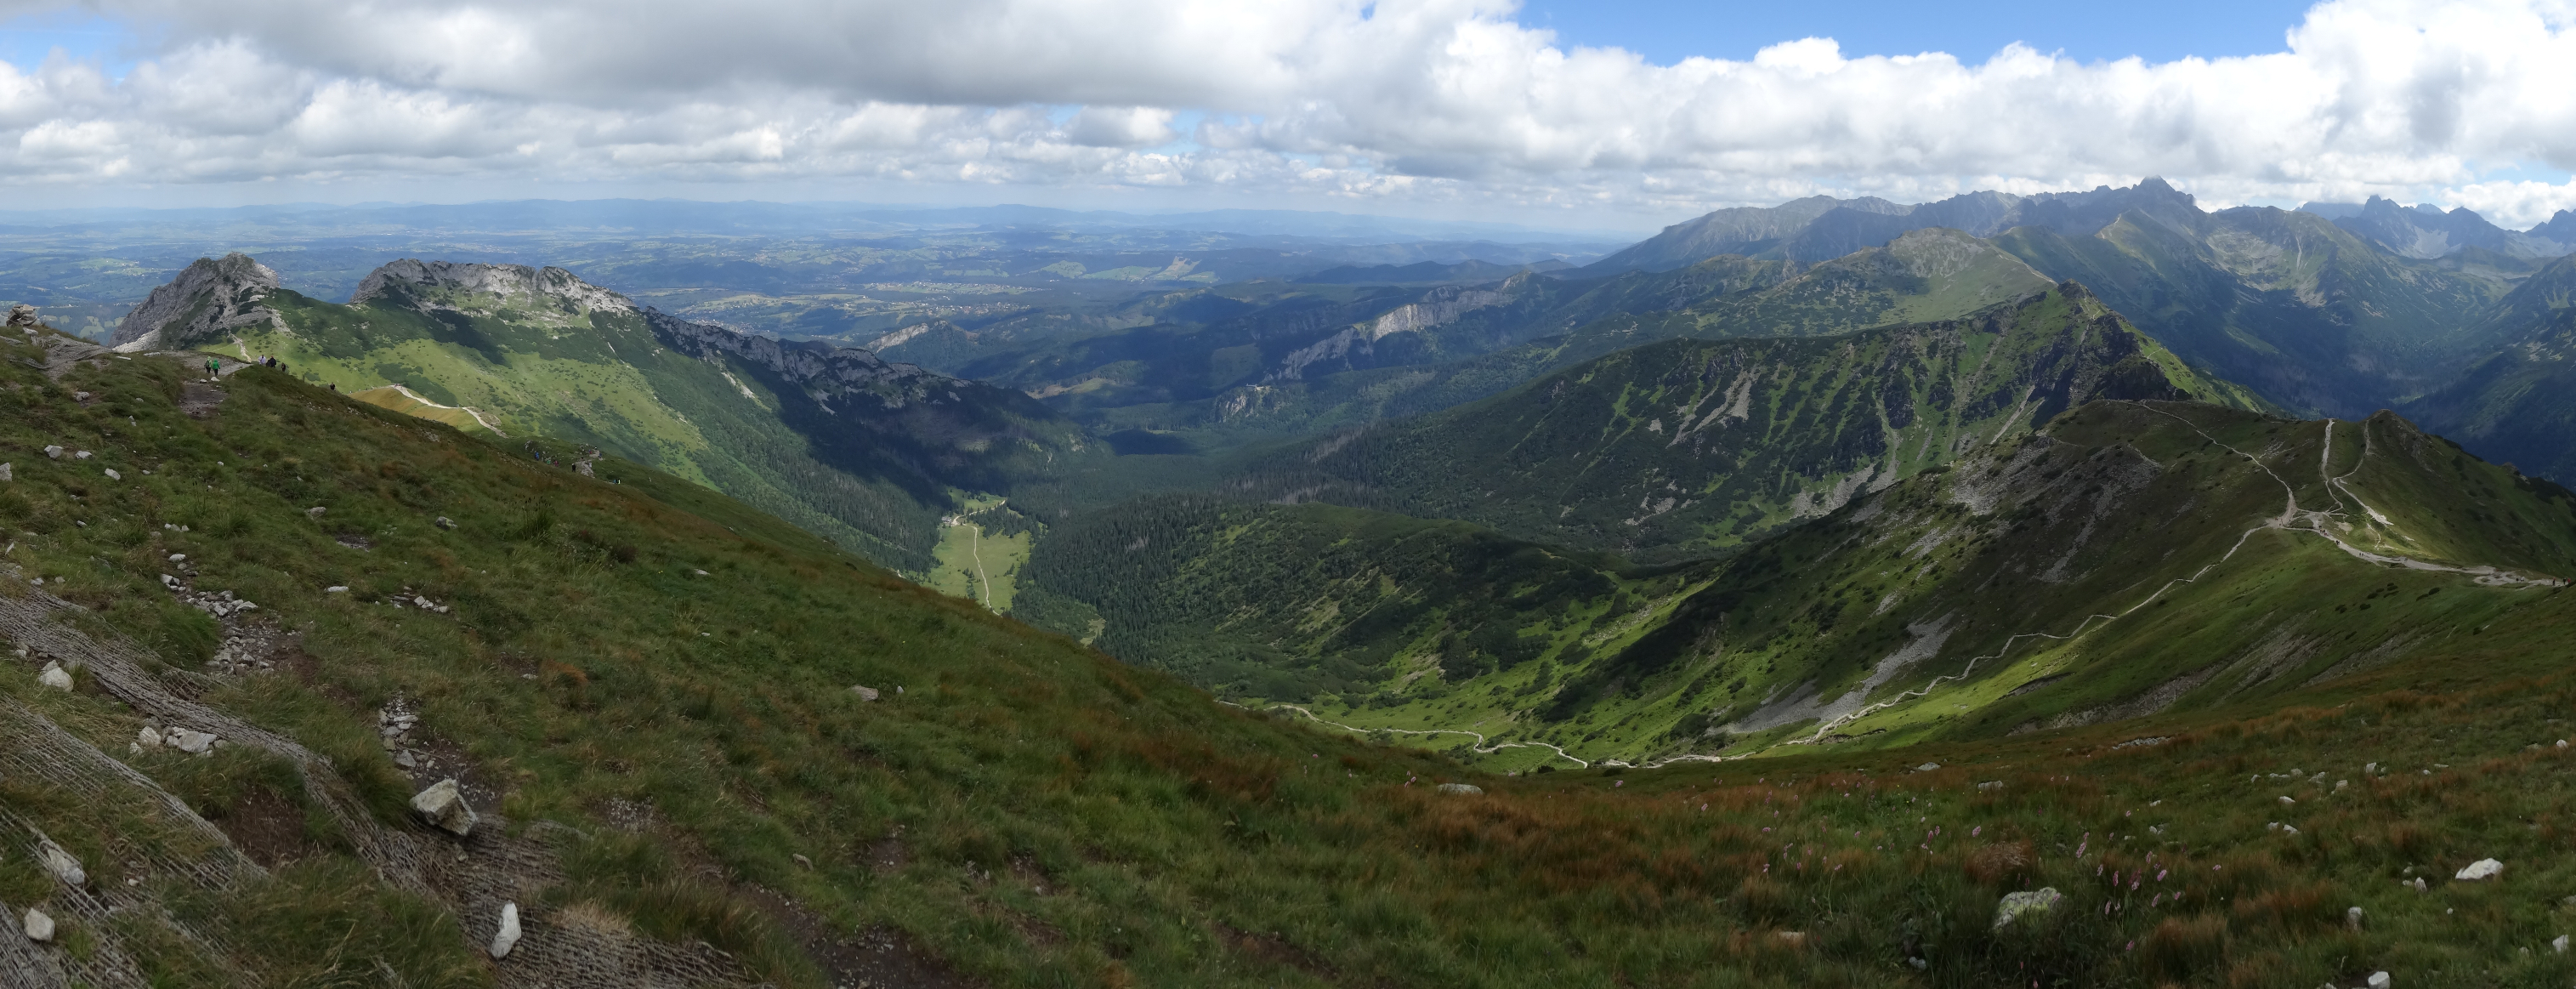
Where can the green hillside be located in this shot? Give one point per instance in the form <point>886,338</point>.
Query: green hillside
<point>644,688</point>
<point>863,452</point>
<point>2301,311</point>
<point>1687,446</point>
<point>1292,602</point>
<point>2515,404</point>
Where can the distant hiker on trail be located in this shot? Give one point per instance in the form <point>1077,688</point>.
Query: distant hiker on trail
<point>213,366</point>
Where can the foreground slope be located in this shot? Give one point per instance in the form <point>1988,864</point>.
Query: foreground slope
<point>643,686</point>
<point>1687,446</point>
<point>847,445</point>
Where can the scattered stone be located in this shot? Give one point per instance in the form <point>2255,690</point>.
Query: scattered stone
<point>2480,869</point>
<point>149,737</point>
<point>1991,785</point>
<point>865,693</point>
<point>189,740</point>
<point>61,864</point>
<point>1794,939</point>
<point>178,557</point>
<point>2419,884</point>
<point>7,474</point>
<point>2033,904</point>
<point>80,454</point>
<point>53,452</point>
<point>445,523</point>
<point>2378,980</point>
<point>112,474</point>
<point>336,589</point>
<point>1927,767</point>
<point>700,573</point>
<point>316,511</point>
<point>2352,918</point>
<point>2285,801</point>
<point>2560,945</point>
<point>1461,789</point>
<point>55,676</point>
<point>508,936</point>
<point>39,928</point>
<point>443,804</point>
<point>406,760</point>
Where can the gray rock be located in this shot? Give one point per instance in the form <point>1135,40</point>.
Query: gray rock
<point>406,760</point>
<point>1991,785</point>
<point>8,473</point>
<point>1461,789</point>
<point>2352,918</point>
<point>2480,869</point>
<point>443,804</point>
<point>2033,904</point>
<point>2379,980</point>
<point>149,737</point>
<point>55,676</point>
<point>1927,767</point>
<point>61,864</point>
<point>2560,944</point>
<point>112,474</point>
<point>445,523</point>
<point>22,315</point>
<point>508,936</point>
<point>39,928</point>
<point>865,693</point>
<point>189,740</point>
<point>53,452</point>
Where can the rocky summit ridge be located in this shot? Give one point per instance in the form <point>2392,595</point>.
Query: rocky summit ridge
<point>210,298</point>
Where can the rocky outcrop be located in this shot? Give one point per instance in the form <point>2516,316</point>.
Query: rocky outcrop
<point>829,375</point>
<point>23,316</point>
<point>401,280</point>
<point>209,299</point>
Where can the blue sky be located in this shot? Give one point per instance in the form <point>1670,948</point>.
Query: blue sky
<point>1667,31</point>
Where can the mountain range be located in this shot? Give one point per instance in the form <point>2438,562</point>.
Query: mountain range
<point>1406,621</point>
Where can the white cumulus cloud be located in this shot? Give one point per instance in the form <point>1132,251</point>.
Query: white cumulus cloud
<point>1424,102</point>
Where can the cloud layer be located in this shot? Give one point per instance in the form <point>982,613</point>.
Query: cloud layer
<point>1428,102</point>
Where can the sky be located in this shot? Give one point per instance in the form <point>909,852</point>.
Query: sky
<point>1599,115</point>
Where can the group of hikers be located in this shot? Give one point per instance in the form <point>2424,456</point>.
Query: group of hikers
<point>215,367</point>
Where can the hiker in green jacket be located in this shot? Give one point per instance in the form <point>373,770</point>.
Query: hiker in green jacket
<point>213,365</point>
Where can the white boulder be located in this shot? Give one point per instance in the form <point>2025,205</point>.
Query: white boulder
<point>443,804</point>
<point>39,928</point>
<point>2481,869</point>
<point>149,737</point>
<point>2379,980</point>
<point>865,693</point>
<point>55,676</point>
<point>508,936</point>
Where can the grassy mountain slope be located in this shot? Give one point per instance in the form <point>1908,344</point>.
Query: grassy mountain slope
<point>1689,446</point>
<point>1287,602</point>
<point>662,745</point>
<point>2288,304</point>
<point>863,452</point>
<point>2514,404</point>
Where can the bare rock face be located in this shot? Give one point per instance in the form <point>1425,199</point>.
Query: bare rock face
<point>208,300</point>
<point>443,805</point>
<point>402,281</point>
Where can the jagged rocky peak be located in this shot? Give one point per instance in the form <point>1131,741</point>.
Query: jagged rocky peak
<point>207,301</point>
<point>403,281</point>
